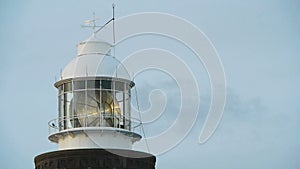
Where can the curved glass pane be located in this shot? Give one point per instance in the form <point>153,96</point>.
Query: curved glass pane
<point>94,103</point>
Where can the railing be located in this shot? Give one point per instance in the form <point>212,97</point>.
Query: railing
<point>94,120</point>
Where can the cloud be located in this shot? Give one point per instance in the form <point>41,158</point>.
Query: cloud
<point>242,107</point>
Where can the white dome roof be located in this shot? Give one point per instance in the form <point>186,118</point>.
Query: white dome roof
<point>93,45</point>
<point>94,59</point>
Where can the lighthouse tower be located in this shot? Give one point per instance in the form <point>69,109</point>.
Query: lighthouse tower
<point>94,128</point>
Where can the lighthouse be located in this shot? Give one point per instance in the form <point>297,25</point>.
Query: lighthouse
<point>94,128</point>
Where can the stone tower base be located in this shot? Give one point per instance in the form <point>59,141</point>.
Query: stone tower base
<point>95,159</point>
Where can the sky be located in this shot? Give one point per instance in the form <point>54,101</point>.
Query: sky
<point>257,41</point>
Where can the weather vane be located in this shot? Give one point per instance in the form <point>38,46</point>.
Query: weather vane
<point>92,23</point>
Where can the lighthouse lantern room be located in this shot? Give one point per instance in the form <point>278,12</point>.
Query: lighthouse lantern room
<point>94,128</point>
<point>94,96</point>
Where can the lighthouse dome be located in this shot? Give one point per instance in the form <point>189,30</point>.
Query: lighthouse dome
<point>94,59</point>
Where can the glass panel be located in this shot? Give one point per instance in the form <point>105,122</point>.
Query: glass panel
<point>79,108</point>
<point>61,112</point>
<point>119,86</point>
<point>60,89</point>
<point>106,84</point>
<point>92,108</point>
<point>67,86</point>
<point>79,85</point>
<point>127,111</point>
<point>119,99</point>
<point>75,121</point>
<point>93,84</point>
<point>68,98</point>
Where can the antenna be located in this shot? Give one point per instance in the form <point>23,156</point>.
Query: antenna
<point>114,37</point>
<point>61,77</point>
<point>113,19</point>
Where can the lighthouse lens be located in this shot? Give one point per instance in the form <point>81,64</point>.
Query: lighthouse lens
<point>97,108</point>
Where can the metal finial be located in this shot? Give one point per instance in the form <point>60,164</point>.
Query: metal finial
<point>94,21</point>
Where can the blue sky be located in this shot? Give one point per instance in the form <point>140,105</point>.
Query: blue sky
<point>257,41</point>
